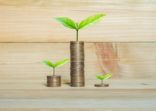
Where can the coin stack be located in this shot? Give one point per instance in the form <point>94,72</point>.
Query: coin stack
<point>77,64</point>
<point>53,81</point>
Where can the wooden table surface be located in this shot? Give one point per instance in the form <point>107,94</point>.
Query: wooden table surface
<point>36,96</point>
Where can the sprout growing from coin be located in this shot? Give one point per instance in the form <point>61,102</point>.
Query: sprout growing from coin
<point>56,64</point>
<point>69,23</point>
<point>102,78</point>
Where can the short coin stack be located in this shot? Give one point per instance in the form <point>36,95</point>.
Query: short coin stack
<point>54,81</point>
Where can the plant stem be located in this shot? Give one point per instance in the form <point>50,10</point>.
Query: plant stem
<point>53,71</point>
<point>77,35</point>
<point>101,82</point>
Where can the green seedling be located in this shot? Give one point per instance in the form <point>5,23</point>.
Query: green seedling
<point>103,77</point>
<point>56,64</point>
<point>67,22</point>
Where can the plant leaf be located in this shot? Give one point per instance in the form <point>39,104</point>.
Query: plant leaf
<point>61,62</point>
<point>67,22</point>
<point>100,77</point>
<point>107,76</point>
<point>90,20</point>
<point>104,77</point>
<point>48,63</point>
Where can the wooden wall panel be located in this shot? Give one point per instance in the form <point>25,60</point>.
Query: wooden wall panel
<point>33,20</point>
<point>132,64</point>
<point>122,44</point>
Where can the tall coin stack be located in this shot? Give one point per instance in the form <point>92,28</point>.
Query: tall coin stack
<point>77,63</point>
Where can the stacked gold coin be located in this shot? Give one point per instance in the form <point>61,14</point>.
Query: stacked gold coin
<point>77,64</point>
<point>53,81</point>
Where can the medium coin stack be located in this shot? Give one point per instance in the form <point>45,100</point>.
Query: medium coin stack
<point>77,64</point>
<point>53,81</point>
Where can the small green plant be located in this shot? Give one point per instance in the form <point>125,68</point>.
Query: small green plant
<point>103,77</point>
<point>56,64</point>
<point>67,22</point>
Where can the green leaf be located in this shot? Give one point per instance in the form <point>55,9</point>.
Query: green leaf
<point>107,76</point>
<point>67,22</point>
<point>61,63</point>
<point>103,77</point>
<point>100,77</point>
<point>57,64</point>
<point>90,20</point>
<point>48,63</point>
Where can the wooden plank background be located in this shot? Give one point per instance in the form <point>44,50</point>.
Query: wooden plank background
<point>33,20</point>
<point>131,64</point>
<point>122,44</point>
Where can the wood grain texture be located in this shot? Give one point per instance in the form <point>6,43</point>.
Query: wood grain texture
<point>78,99</point>
<point>77,109</point>
<point>131,64</point>
<point>131,60</point>
<point>107,57</point>
<point>33,20</point>
<point>23,78</point>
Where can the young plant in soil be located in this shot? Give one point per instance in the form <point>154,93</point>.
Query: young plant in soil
<point>54,80</point>
<point>102,78</point>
